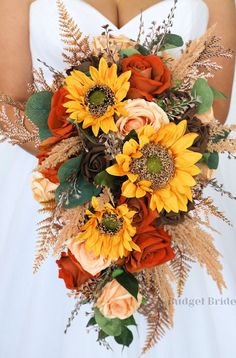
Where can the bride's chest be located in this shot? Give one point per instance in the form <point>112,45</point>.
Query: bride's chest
<point>190,21</point>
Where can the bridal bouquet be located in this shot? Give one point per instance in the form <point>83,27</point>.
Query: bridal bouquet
<point>127,143</point>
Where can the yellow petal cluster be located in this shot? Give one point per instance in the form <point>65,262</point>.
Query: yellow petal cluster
<point>177,192</point>
<point>104,244</point>
<point>78,84</point>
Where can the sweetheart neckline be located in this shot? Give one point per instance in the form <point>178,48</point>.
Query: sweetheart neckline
<point>128,22</point>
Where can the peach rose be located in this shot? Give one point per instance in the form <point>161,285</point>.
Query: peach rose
<point>116,302</point>
<point>206,173</point>
<point>141,113</point>
<point>206,117</point>
<point>89,262</point>
<point>42,188</point>
<point>116,43</point>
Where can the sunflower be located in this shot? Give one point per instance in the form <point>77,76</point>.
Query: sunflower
<point>159,163</point>
<point>95,99</point>
<point>109,231</point>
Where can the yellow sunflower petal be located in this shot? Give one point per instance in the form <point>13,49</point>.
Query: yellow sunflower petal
<point>128,189</point>
<point>184,142</point>
<point>115,170</point>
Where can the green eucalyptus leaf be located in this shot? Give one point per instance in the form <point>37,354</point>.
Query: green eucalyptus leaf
<point>130,321</point>
<point>112,327</point>
<point>211,159</point>
<point>125,338</point>
<point>128,52</point>
<point>91,322</point>
<point>143,50</point>
<point>218,94</point>
<point>102,335</point>
<point>170,41</point>
<point>132,135</point>
<point>44,133</point>
<point>105,179</point>
<point>203,91</point>
<point>76,193</point>
<point>37,110</point>
<point>69,168</point>
<point>117,272</point>
<point>129,282</point>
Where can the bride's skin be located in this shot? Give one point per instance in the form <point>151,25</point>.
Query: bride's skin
<point>15,59</point>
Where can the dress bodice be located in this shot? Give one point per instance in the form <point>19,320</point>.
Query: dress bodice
<point>190,21</point>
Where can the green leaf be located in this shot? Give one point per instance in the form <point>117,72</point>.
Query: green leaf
<point>211,159</point>
<point>37,110</point>
<point>132,135</point>
<point>202,90</point>
<point>112,327</point>
<point>105,179</point>
<point>143,50</point>
<point>128,52</point>
<point>117,272</point>
<point>129,282</point>
<point>44,133</point>
<point>91,322</point>
<point>125,338</point>
<point>218,94</point>
<point>85,189</point>
<point>102,335</point>
<point>69,168</point>
<point>171,41</point>
<point>130,321</point>
<point>86,134</point>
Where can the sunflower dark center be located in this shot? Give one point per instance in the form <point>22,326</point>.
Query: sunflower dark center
<point>156,165</point>
<point>110,224</point>
<point>98,99</point>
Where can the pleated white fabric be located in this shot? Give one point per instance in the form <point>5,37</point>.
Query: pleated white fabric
<point>34,309</point>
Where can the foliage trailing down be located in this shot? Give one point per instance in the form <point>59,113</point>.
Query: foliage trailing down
<point>197,245</point>
<point>181,266</point>
<point>47,232</point>
<point>155,311</point>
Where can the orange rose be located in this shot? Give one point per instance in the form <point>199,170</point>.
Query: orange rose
<point>51,173</point>
<point>149,76</point>
<point>144,215</point>
<point>155,249</point>
<point>58,122</point>
<point>71,271</point>
<point>116,302</point>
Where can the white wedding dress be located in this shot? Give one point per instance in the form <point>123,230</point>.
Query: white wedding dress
<point>34,309</point>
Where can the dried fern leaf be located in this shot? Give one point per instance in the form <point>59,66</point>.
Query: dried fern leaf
<point>158,312</point>
<point>181,266</point>
<point>198,60</point>
<point>48,233</point>
<point>208,208</point>
<point>198,244</point>
<point>77,47</point>
<point>157,318</point>
<point>163,276</point>
<point>72,220</point>
<point>40,83</point>
<point>15,131</point>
